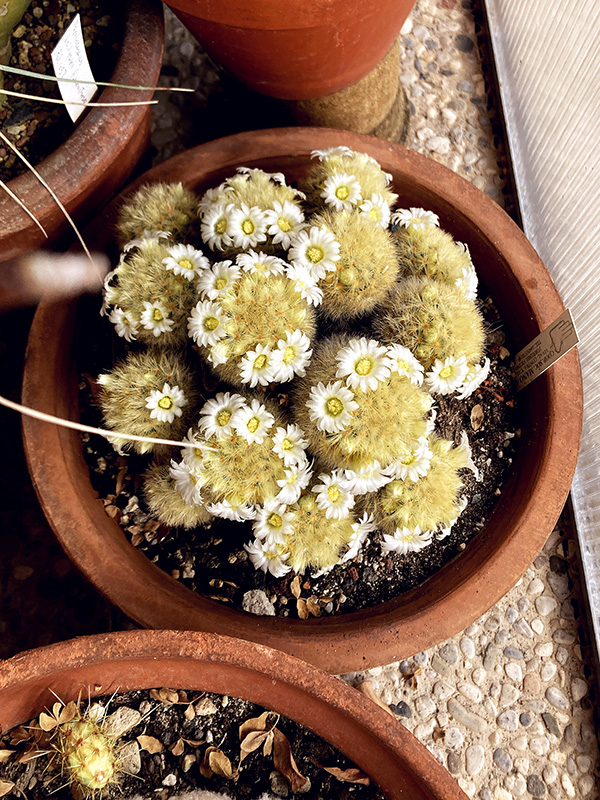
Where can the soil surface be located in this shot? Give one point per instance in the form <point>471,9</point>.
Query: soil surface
<point>213,562</point>
<point>169,752</point>
<point>38,128</point>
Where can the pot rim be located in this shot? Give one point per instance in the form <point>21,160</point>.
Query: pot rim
<point>72,177</point>
<point>465,587</point>
<point>104,663</point>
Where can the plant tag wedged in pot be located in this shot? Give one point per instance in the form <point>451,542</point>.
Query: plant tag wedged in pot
<point>552,343</point>
<point>70,60</point>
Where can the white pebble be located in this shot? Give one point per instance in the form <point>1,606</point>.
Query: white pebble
<point>584,764</point>
<point>567,785</point>
<point>514,672</point>
<point>424,729</point>
<point>520,743</point>
<point>508,695</point>
<point>425,705</point>
<point>442,691</point>
<point>537,626</point>
<point>516,784</point>
<point>544,649</point>
<point>545,605</point>
<point>478,676</point>
<point>453,737</point>
<point>557,698</point>
<point>467,647</point>
<point>508,720</point>
<point>579,689</point>
<point>522,765</point>
<point>439,144</point>
<point>539,745</point>
<point>586,784</point>
<point>535,587</point>
<point>470,692</point>
<point>550,774</point>
<point>501,794</point>
<point>475,756</point>
<point>407,27</point>
<point>548,671</point>
<point>170,780</point>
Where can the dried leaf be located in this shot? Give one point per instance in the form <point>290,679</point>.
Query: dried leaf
<point>30,754</point>
<point>205,707</point>
<point>194,742</point>
<point>216,762</point>
<point>150,743</point>
<point>253,724</point>
<point>476,417</point>
<point>5,755</point>
<point>350,775</point>
<point>6,787</point>
<point>252,742</point>
<point>47,722</point>
<point>302,608</point>
<point>178,748</point>
<point>167,696</point>
<point>20,734</point>
<point>295,587</point>
<point>437,734</point>
<point>366,688</point>
<point>313,606</point>
<point>268,745</point>
<point>189,713</point>
<point>183,698</point>
<point>283,761</point>
<point>411,677</point>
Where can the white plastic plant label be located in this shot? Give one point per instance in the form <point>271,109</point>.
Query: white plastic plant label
<point>551,344</point>
<point>70,61</point>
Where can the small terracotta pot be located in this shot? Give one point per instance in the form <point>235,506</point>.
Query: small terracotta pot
<point>357,727</point>
<point>99,156</point>
<point>295,49</point>
<point>460,592</point>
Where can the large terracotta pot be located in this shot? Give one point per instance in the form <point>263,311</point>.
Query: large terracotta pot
<point>100,665</point>
<point>99,156</point>
<point>295,49</point>
<point>465,588</point>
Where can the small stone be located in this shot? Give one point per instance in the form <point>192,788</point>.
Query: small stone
<point>256,602</point>
<point>467,647</point>
<point>471,692</point>
<point>572,766</point>
<point>474,757</point>
<point>537,706</point>
<point>559,585</point>
<point>579,689</point>
<point>524,719</point>
<point>584,764</point>
<point>522,765</point>
<point>501,794</point>
<point>424,729</point>
<point>522,626</point>
<point>502,759</point>
<point>129,758</point>
<point>492,623</point>
<point>545,605</point>
<point>520,743</point>
<point>523,604</point>
<point>535,587</point>
<point>471,157</point>
<point>533,664</point>
<point>465,86</point>
<point>467,718</point>
<point>205,707</point>
<point>495,690</point>
<point>562,636</point>
<point>535,786</point>
<point>425,706</point>
<point>170,779</point>
<point>490,707</point>
<point>513,652</point>
<point>490,657</point>
<point>551,724</point>
<point>501,637</point>
<point>514,672</point>
<point>464,43</point>
<point>439,665</point>
<point>537,626</point>
<point>439,144</point>
<point>548,671</point>
<point>485,794</point>
<point>544,649</point>
<point>567,785</point>
<point>279,784</point>
<point>540,561</point>
<point>442,691</point>
<point>508,720</point>
<point>454,762</point>
<point>188,762</point>
<point>453,738</point>
<point>557,698</point>
<point>531,684</point>
<point>402,709</point>
<point>121,721</point>
<point>421,659</point>
<point>550,774</point>
<point>449,653</point>
<point>508,695</point>
<point>478,676</point>
<point>586,784</point>
<point>539,745</point>
<point>562,655</point>
<point>457,105</point>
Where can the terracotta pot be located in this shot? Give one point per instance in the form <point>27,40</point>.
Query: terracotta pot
<point>365,733</point>
<point>461,591</point>
<point>99,156</point>
<point>295,50</point>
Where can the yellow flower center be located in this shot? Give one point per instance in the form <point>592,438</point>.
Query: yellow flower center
<point>221,283</point>
<point>253,424</point>
<point>374,214</point>
<point>334,406</point>
<point>260,361</point>
<point>446,372</point>
<point>315,254</point>
<point>402,365</point>
<point>333,493</point>
<point>223,417</point>
<point>287,444</point>
<point>289,354</point>
<point>157,315</point>
<point>364,366</point>
<point>270,556</point>
<point>221,226</point>
<point>275,520</point>
<point>342,192</point>
<point>165,403</point>
<point>186,263</point>
<point>409,460</point>
<point>248,226</point>
<point>284,224</point>
<point>210,323</point>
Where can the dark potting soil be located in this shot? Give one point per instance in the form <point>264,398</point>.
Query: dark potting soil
<point>213,562</point>
<point>37,128</point>
<point>175,731</point>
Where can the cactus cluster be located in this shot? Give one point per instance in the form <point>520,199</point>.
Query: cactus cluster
<point>353,447</point>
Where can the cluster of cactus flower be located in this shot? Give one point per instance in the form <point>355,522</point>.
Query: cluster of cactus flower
<point>354,448</point>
